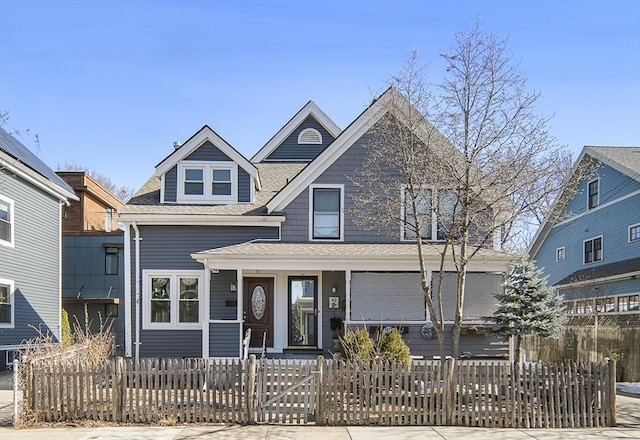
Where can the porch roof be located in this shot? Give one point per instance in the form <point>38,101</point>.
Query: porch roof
<point>339,256</point>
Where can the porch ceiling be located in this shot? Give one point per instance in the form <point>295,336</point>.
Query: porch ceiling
<point>339,256</point>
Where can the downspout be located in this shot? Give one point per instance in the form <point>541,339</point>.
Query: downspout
<point>137,291</point>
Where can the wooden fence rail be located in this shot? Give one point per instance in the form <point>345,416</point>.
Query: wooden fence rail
<point>328,392</point>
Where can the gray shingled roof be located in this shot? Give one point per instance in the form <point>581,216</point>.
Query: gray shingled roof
<point>273,177</point>
<point>17,150</point>
<point>604,271</point>
<point>626,156</point>
<point>267,249</point>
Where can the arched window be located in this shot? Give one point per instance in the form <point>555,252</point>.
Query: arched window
<point>309,136</point>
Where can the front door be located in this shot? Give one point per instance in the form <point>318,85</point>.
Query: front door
<point>303,311</point>
<point>258,310</point>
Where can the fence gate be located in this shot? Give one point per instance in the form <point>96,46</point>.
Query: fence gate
<point>285,391</point>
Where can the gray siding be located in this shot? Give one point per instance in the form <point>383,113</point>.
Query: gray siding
<point>83,270</point>
<point>296,228</point>
<point>170,248</point>
<point>330,279</point>
<point>34,263</point>
<point>170,343</point>
<point>244,186</point>
<point>290,150</point>
<point>223,301</point>
<point>171,185</point>
<point>208,152</point>
<point>224,340</point>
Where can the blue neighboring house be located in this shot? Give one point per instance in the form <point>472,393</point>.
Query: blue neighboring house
<point>216,244</point>
<point>592,251</point>
<point>32,200</point>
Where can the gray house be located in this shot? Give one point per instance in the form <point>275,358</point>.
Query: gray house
<point>32,200</point>
<point>216,244</point>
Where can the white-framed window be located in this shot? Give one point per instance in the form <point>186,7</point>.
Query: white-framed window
<point>7,303</point>
<point>593,193</point>
<point>310,136</point>
<point>207,182</point>
<point>560,254</point>
<point>7,223</point>
<point>634,232</point>
<point>173,299</point>
<point>593,250</point>
<point>326,212</point>
<point>432,214</point>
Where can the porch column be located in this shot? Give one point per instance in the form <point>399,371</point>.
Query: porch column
<point>240,309</point>
<point>347,295</point>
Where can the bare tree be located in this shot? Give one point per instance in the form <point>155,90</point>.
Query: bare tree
<point>471,158</point>
<point>124,193</point>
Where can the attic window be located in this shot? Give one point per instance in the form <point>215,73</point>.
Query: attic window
<point>309,136</point>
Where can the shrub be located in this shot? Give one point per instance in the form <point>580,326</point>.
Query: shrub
<point>357,345</point>
<point>65,329</point>
<point>385,346</point>
<point>393,347</point>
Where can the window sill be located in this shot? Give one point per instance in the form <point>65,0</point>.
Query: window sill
<point>197,326</point>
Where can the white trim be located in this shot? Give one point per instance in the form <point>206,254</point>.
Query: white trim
<point>12,222</point>
<point>310,109</point>
<point>35,178</point>
<point>637,225</point>
<point>12,302</point>
<point>202,219</point>
<point>310,130</point>
<point>173,275</point>
<point>207,174</point>
<point>60,211</point>
<point>206,318</point>
<point>564,253</point>
<point>195,142</point>
<point>127,291</point>
<point>162,183</point>
<point>313,187</point>
<point>597,179</point>
<point>594,251</point>
<point>325,159</point>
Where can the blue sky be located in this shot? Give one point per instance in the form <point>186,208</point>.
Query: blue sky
<point>112,84</point>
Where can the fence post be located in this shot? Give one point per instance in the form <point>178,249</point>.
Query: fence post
<point>612,391</point>
<point>16,388</point>
<point>319,378</point>
<point>449,390</point>
<point>118,390</point>
<point>250,389</point>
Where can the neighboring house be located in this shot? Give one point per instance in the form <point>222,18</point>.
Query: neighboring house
<point>216,244</point>
<point>32,199</point>
<point>592,251</point>
<point>93,257</point>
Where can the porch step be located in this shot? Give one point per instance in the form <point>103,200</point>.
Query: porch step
<point>300,353</point>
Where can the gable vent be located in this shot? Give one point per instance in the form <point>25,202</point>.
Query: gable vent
<point>309,136</point>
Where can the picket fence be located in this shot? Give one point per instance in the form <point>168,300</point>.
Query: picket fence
<point>327,392</point>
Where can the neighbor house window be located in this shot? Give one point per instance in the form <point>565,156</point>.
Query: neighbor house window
<point>309,136</point>
<point>207,182</point>
<point>111,261</point>
<point>326,212</point>
<point>6,303</point>
<point>433,214</point>
<point>634,232</point>
<point>173,300</point>
<point>593,250</point>
<point>560,254</point>
<point>633,302</point>
<point>623,303</point>
<point>594,193</point>
<point>6,221</point>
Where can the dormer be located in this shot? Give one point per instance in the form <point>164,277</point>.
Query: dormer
<point>302,139</point>
<point>206,170</point>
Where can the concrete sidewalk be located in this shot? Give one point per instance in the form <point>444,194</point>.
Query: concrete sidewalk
<point>278,432</point>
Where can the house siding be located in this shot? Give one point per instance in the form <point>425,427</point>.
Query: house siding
<point>171,185</point>
<point>224,303</point>
<point>290,150</point>
<point>170,343</point>
<point>244,186</point>
<point>224,340</point>
<point>207,152</point>
<point>34,261</point>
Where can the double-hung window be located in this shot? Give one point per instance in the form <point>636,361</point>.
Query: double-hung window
<point>593,250</point>
<point>6,221</point>
<point>173,300</point>
<point>594,194</point>
<point>326,209</point>
<point>431,212</point>
<point>6,303</point>
<point>560,254</point>
<point>207,182</point>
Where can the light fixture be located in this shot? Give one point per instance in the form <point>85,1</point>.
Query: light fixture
<point>334,289</point>
<point>234,286</point>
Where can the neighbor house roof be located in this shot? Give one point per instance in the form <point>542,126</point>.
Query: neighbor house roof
<point>629,267</point>
<point>20,158</point>
<point>624,159</point>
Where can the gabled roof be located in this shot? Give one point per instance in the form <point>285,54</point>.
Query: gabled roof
<point>310,109</point>
<point>195,141</point>
<point>623,159</point>
<point>22,159</point>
